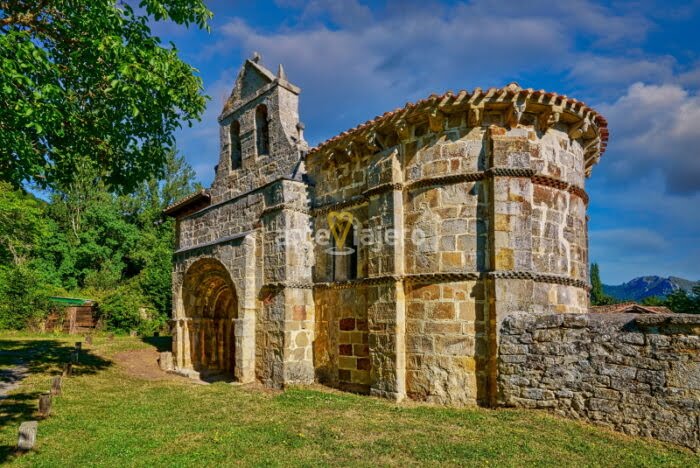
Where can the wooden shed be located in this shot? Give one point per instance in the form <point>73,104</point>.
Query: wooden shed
<point>72,315</point>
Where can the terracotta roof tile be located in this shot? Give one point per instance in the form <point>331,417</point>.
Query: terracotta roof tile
<point>574,105</point>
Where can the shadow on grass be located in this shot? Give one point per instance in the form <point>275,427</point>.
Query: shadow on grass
<point>161,343</point>
<point>38,357</point>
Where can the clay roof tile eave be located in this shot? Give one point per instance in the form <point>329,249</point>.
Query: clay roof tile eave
<point>434,99</point>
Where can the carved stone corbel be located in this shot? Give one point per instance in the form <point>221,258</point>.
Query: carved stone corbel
<point>579,129</point>
<point>403,130</point>
<point>592,144</point>
<point>548,118</point>
<point>515,112</point>
<point>436,120</point>
<point>475,115</point>
<point>370,140</point>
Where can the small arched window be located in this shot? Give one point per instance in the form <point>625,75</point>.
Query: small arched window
<point>344,262</point>
<point>235,147</point>
<point>262,131</point>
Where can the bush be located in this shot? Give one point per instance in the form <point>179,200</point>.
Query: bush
<point>24,298</point>
<point>125,309</point>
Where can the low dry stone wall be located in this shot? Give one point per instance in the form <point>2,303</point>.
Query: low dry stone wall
<point>639,374</point>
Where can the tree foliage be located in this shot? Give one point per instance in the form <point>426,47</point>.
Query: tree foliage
<point>89,241</point>
<point>598,296</point>
<point>86,83</point>
<point>21,224</point>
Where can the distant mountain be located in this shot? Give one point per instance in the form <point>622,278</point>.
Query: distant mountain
<point>648,286</point>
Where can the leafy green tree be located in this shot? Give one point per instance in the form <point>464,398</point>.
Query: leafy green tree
<point>156,233</point>
<point>87,83</point>
<point>681,302</point>
<point>123,310</point>
<point>598,296</point>
<point>94,240</point>
<point>21,224</point>
<point>23,296</point>
<point>654,301</point>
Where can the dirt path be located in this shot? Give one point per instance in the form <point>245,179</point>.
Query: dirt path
<point>11,377</point>
<point>143,364</point>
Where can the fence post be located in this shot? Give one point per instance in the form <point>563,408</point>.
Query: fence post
<point>67,369</point>
<point>56,386</point>
<point>44,405</point>
<point>27,435</point>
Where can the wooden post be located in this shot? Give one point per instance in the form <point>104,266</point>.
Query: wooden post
<point>44,405</point>
<point>78,345</point>
<point>110,337</point>
<point>88,340</point>
<point>27,435</point>
<point>74,356</point>
<point>56,385</point>
<point>67,369</point>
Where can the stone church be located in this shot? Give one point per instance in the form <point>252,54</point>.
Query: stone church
<point>383,260</point>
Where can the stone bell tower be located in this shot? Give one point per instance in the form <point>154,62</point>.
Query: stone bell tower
<point>260,132</point>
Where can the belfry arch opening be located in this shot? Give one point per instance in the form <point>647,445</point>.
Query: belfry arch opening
<point>210,307</point>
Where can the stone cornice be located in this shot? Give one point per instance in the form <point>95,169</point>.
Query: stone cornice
<point>284,206</point>
<point>423,278</point>
<point>512,101</point>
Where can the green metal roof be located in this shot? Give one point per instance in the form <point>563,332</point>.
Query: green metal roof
<point>70,301</point>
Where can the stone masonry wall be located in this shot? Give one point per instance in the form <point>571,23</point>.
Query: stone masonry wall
<point>639,374</point>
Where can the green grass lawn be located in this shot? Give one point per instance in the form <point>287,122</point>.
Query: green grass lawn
<point>107,417</point>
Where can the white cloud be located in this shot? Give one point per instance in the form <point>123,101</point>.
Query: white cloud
<point>595,70</point>
<point>654,128</point>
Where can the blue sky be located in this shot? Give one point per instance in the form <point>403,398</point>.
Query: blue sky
<point>637,62</point>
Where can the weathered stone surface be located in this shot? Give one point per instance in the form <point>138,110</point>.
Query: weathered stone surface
<point>165,360</point>
<point>610,372</point>
<point>27,435</point>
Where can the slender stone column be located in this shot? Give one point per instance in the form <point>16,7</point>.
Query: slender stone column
<point>221,341</point>
<point>202,342</point>
<point>186,360</point>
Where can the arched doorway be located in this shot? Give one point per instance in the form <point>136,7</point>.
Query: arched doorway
<point>210,305</point>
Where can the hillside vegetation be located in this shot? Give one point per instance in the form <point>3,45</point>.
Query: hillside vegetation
<point>87,241</point>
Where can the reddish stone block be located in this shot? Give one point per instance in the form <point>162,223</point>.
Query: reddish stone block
<point>299,312</point>
<point>345,349</point>
<point>347,324</point>
<point>363,364</point>
<point>361,325</point>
